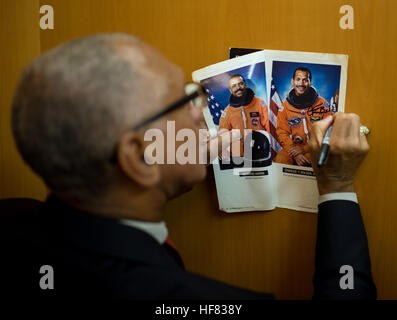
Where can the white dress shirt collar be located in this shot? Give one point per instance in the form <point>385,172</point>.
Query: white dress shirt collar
<point>157,230</point>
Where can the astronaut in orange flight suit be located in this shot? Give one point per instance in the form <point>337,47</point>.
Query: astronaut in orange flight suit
<point>245,111</point>
<point>302,107</point>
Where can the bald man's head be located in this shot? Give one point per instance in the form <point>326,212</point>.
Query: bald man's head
<point>74,102</point>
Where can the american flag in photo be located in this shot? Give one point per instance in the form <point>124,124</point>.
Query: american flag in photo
<point>215,107</point>
<point>275,105</point>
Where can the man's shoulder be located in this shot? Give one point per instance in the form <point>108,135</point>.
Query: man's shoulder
<point>231,109</point>
<point>93,275</point>
<point>110,265</point>
<point>321,100</point>
<point>259,102</point>
<point>284,107</point>
<point>286,104</point>
<point>225,112</point>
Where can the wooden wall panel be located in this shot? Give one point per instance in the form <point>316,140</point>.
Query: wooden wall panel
<point>269,251</point>
<point>20,43</point>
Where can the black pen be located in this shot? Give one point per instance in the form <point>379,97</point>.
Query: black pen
<point>324,151</point>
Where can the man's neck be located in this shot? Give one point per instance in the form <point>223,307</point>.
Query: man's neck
<point>302,101</point>
<point>244,100</point>
<point>146,205</point>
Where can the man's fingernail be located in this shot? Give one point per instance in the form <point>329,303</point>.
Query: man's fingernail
<point>328,117</point>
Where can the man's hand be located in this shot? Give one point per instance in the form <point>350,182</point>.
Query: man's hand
<point>295,150</point>
<point>301,160</point>
<point>225,155</point>
<point>348,149</point>
<point>217,143</point>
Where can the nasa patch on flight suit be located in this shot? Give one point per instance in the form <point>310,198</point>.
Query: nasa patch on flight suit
<point>255,122</point>
<point>254,114</point>
<point>294,122</point>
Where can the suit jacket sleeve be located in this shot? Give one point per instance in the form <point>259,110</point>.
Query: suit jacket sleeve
<point>341,240</point>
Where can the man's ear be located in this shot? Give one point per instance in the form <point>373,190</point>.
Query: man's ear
<point>292,82</point>
<point>130,157</point>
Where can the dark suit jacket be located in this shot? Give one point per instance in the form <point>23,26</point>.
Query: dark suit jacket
<point>341,240</point>
<point>94,256</point>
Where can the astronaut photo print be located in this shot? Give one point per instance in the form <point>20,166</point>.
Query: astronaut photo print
<point>303,93</point>
<point>237,100</point>
<point>272,97</point>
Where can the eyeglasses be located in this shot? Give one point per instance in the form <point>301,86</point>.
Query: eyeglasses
<point>194,93</point>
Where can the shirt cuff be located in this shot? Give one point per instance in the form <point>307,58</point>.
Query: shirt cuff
<point>349,196</point>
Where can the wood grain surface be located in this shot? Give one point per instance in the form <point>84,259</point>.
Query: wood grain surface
<point>267,251</point>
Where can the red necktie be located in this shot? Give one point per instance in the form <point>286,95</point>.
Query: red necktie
<point>169,246</point>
